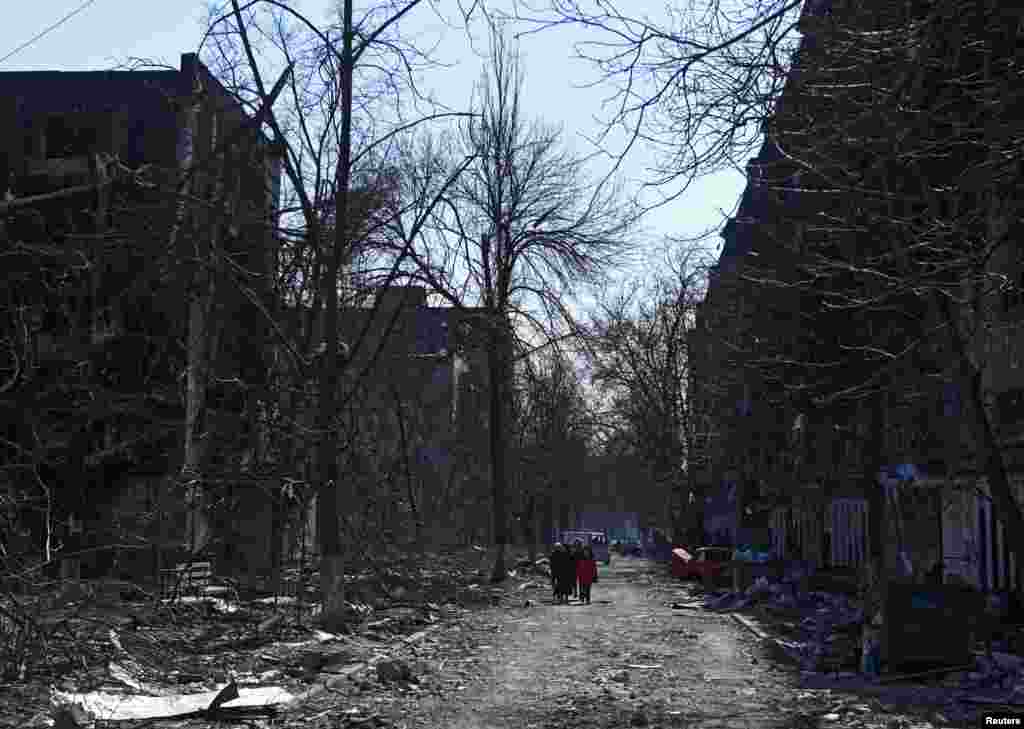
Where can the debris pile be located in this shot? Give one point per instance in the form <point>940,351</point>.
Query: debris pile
<point>820,633</point>
<point>236,653</point>
<point>818,630</point>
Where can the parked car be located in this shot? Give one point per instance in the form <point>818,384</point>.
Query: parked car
<point>680,556</point>
<point>702,563</point>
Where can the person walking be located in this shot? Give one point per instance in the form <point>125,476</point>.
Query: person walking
<point>577,554</point>
<point>557,563</point>
<point>568,575</point>
<point>586,573</point>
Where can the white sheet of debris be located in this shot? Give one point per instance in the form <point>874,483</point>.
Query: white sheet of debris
<point>276,600</point>
<point>219,604</point>
<point>120,707</point>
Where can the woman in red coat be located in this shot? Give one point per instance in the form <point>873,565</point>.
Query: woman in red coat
<point>586,573</point>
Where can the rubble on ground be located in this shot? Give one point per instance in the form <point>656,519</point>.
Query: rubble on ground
<point>820,633</point>
<point>819,629</point>
<point>394,670</point>
<point>142,657</point>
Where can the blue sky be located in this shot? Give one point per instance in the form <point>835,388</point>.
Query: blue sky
<point>109,32</point>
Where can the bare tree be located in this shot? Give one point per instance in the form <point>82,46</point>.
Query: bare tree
<point>692,86</point>
<point>638,352</point>
<point>897,232</point>
<point>335,138</point>
<point>520,227</point>
<point>552,426</point>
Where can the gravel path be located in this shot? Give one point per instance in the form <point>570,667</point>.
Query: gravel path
<point>627,660</point>
<point>624,660</point>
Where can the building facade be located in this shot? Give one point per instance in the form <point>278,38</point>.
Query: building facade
<point>903,440</point>
<point>141,206</point>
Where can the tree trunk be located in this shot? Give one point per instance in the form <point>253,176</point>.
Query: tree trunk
<point>548,522</point>
<point>200,322</point>
<point>331,556</point>
<point>276,546</point>
<point>874,575</point>
<point>282,516</point>
<point>403,439</point>
<point>538,534</point>
<point>197,528</point>
<point>496,366</point>
<point>989,451</point>
<point>564,510</point>
<point>205,329</point>
<point>741,505</point>
<point>529,526</point>
<point>990,454</point>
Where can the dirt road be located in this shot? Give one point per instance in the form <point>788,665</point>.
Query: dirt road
<point>509,658</point>
<point>627,660</point>
<point>624,660</point>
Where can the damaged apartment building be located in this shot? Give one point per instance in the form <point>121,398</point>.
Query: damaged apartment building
<point>153,413</point>
<point>778,469</point>
<point>138,213</point>
<point>414,416</point>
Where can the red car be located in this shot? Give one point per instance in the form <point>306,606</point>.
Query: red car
<point>704,562</point>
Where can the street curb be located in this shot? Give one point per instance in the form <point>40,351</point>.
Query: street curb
<point>339,678</point>
<point>749,625</point>
<point>775,643</point>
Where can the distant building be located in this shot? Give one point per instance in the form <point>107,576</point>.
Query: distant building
<point>416,382</point>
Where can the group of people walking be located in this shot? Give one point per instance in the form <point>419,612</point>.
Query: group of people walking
<point>573,571</point>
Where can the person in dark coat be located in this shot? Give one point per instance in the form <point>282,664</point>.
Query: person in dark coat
<point>576,555</point>
<point>586,573</point>
<point>557,565</point>
<point>566,575</point>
